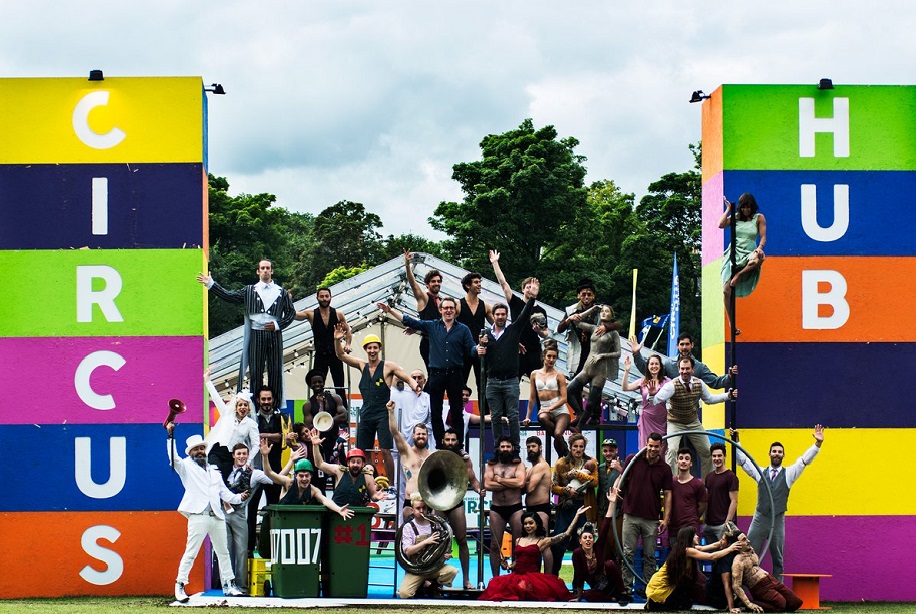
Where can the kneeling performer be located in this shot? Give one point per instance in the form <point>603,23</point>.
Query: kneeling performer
<point>423,551</point>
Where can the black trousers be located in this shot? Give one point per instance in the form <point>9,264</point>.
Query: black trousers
<point>323,364</point>
<point>442,382</point>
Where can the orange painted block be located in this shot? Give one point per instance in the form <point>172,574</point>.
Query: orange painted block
<point>831,299</point>
<point>712,136</point>
<point>58,554</point>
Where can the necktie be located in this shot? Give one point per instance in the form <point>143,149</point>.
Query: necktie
<point>773,473</point>
<point>687,385</point>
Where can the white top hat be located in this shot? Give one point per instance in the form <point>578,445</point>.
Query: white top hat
<point>192,442</point>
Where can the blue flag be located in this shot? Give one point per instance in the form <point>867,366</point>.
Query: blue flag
<point>652,322</point>
<point>674,327</point>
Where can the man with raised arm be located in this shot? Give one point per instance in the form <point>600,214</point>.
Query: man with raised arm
<point>449,343</point>
<point>682,397</point>
<point>299,488</point>
<point>427,300</point>
<point>475,314</point>
<point>780,479</point>
<point>500,345</point>
<point>268,310</point>
<point>202,505</point>
<point>412,457</point>
<point>684,350</point>
<point>529,338</point>
<point>375,382</point>
<point>324,320</point>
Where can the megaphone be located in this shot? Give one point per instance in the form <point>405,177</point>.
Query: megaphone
<point>323,421</point>
<point>176,406</point>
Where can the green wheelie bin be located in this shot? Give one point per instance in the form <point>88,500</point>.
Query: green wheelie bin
<point>297,540</point>
<point>346,572</point>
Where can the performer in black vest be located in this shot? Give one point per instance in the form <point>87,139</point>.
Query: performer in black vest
<point>475,314</point>
<point>427,301</point>
<point>323,321</point>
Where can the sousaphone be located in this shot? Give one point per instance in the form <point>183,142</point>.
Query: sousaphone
<point>442,484</point>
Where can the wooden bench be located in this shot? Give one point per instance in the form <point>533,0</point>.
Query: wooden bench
<point>808,588</point>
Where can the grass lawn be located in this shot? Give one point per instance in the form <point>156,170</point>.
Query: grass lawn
<point>160,605</point>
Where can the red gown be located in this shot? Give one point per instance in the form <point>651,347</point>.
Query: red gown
<point>526,583</point>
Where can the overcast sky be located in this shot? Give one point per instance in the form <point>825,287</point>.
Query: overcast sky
<point>374,101</point>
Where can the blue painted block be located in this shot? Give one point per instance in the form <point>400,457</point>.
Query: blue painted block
<point>50,206</point>
<point>83,467</point>
<point>878,211</point>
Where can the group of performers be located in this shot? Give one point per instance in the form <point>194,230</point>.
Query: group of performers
<point>467,335</point>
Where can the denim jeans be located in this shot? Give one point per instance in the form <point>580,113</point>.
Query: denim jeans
<point>502,397</point>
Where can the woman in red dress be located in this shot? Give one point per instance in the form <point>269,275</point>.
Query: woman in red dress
<point>526,582</point>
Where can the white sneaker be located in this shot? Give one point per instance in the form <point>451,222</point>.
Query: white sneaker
<point>180,595</point>
<point>231,590</point>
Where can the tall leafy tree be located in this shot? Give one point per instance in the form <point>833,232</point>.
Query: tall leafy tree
<point>522,198</point>
<point>243,230</point>
<point>344,235</point>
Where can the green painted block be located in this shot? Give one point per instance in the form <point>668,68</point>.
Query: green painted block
<point>760,127</point>
<point>158,295</point>
<point>713,304</point>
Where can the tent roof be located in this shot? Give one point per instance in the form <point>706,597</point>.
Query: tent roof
<point>357,298</point>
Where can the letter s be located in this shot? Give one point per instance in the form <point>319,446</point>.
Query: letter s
<point>113,561</point>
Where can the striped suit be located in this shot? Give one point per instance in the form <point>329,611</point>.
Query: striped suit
<point>260,346</point>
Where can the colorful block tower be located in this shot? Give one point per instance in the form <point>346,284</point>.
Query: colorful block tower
<point>103,227</point>
<point>829,334</point>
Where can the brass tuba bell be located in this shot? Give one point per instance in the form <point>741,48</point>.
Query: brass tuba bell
<point>443,480</point>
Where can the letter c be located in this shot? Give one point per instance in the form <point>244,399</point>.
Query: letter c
<point>84,371</point>
<point>81,122</point>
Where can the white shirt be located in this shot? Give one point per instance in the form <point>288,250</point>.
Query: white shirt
<point>414,410</point>
<point>793,471</point>
<point>203,486</point>
<point>667,391</point>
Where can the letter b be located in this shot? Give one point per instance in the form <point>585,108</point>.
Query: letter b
<point>813,298</point>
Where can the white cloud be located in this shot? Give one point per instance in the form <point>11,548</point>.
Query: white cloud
<point>375,101</point>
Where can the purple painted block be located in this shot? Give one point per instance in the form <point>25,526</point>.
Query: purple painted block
<point>50,206</point>
<point>713,243</point>
<point>864,565</point>
<point>102,380</point>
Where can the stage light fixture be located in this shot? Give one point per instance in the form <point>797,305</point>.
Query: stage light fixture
<point>216,88</point>
<point>698,96</point>
<point>96,75</point>
<point>825,84</point>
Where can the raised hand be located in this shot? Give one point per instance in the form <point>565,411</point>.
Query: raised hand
<point>634,346</point>
<point>819,433</point>
<point>340,331</point>
<point>204,279</point>
<point>494,256</point>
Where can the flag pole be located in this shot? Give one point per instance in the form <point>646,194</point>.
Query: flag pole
<point>632,330</point>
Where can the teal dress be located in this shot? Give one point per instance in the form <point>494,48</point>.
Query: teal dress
<point>744,247</point>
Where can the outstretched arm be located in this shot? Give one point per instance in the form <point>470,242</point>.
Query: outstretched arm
<point>282,480</point>
<point>507,289</point>
<point>556,539</point>
<point>418,293</point>
<point>348,359</point>
<point>399,441</point>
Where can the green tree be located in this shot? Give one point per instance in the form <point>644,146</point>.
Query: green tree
<point>395,246</point>
<point>670,218</point>
<point>344,235</point>
<point>340,274</point>
<point>522,198</point>
<point>245,229</point>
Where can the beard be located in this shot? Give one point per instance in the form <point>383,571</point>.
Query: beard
<point>355,471</point>
<point>454,448</point>
<point>420,444</point>
<point>505,457</point>
<point>201,460</point>
<point>533,457</point>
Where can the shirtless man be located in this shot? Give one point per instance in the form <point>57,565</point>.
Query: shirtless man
<point>456,516</point>
<point>769,594</point>
<point>412,457</point>
<point>504,476</point>
<point>537,489</point>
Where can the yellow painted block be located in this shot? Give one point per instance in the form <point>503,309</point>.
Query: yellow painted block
<point>858,472</point>
<point>74,120</point>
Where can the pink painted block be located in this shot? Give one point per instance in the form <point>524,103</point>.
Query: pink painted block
<point>41,372</point>
<point>713,241</point>
<point>866,562</point>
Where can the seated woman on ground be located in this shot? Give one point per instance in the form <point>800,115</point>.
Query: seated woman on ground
<point>590,567</point>
<point>526,582</point>
<point>678,584</point>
